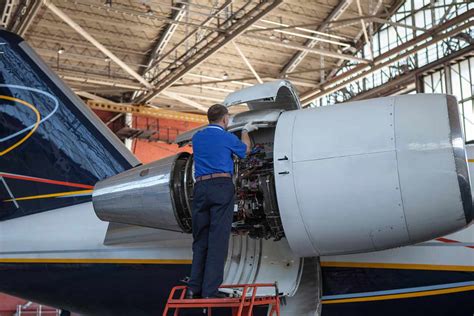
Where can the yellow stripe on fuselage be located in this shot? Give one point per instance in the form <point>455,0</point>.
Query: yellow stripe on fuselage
<point>400,296</point>
<point>45,196</point>
<point>404,266</point>
<point>185,261</point>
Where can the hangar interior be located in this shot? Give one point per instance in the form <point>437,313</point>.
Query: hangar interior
<point>184,56</point>
<point>150,69</point>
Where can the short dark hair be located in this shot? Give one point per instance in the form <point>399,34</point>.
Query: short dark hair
<point>216,112</point>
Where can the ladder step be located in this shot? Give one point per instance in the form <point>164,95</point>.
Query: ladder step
<point>205,300</point>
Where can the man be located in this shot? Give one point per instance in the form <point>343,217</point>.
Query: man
<point>213,200</point>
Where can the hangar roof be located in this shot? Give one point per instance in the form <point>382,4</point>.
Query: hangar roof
<point>191,54</point>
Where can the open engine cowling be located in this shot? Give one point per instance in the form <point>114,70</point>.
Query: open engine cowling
<point>356,177</point>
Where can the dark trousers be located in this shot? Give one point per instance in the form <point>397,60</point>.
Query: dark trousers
<point>213,207</point>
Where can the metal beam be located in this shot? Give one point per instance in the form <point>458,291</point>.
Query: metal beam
<point>375,10</point>
<point>319,38</point>
<point>152,68</point>
<point>311,70</point>
<point>214,80</point>
<point>101,82</point>
<point>96,6</point>
<point>359,44</point>
<point>299,56</point>
<point>409,78</point>
<point>178,96</point>
<point>432,36</point>
<point>186,101</point>
<point>303,29</point>
<point>306,25</point>
<point>313,50</point>
<point>172,95</point>
<point>210,45</point>
<point>141,110</point>
<point>24,16</point>
<point>92,96</point>
<point>96,43</point>
<point>193,95</point>
<point>7,13</point>
<point>246,61</point>
<point>241,80</point>
<point>113,119</point>
<point>364,29</point>
<point>206,22</point>
<point>387,21</point>
<point>50,38</point>
<point>166,35</point>
<point>113,57</point>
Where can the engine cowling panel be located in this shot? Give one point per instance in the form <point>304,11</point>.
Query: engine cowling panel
<point>371,175</point>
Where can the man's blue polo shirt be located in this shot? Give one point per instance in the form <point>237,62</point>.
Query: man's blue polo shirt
<point>213,148</point>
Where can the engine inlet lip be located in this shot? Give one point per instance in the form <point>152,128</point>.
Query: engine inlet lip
<point>460,157</point>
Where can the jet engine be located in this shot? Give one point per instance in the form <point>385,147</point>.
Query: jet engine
<point>355,177</point>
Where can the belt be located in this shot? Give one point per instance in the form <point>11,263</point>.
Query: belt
<point>214,175</point>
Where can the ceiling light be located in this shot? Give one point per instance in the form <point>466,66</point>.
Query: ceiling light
<point>108,3</point>
<point>225,76</point>
<point>61,50</point>
<point>107,59</point>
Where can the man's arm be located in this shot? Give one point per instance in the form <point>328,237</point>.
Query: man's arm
<point>249,127</point>
<point>242,147</point>
<point>246,140</point>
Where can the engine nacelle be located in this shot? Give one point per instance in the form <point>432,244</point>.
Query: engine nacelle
<point>356,177</point>
<point>371,175</point>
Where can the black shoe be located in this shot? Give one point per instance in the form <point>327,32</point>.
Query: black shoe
<point>191,295</point>
<point>218,295</point>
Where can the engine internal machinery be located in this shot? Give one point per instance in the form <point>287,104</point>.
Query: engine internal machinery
<point>256,210</point>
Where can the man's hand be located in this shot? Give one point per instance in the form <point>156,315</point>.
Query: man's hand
<point>250,127</point>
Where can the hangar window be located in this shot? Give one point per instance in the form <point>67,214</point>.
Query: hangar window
<point>411,20</point>
<point>456,79</point>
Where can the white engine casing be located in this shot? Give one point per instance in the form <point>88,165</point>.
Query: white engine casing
<point>371,175</point>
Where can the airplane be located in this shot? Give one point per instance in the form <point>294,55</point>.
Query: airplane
<point>361,208</point>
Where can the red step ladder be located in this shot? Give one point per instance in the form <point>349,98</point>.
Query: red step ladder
<point>242,305</point>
